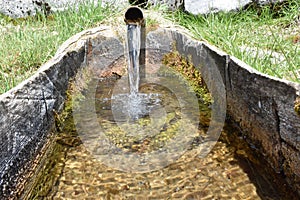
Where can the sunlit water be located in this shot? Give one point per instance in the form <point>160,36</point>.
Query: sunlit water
<point>229,171</point>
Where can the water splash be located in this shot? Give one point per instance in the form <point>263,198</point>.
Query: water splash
<point>127,107</point>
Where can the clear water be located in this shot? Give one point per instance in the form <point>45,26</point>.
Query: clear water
<point>133,49</point>
<point>125,122</point>
<point>229,171</point>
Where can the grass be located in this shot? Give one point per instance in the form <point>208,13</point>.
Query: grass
<point>266,38</point>
<point>29,42</point>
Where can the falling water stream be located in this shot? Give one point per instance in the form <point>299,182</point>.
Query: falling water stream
<point>133,48</point>
<point>134,104</point>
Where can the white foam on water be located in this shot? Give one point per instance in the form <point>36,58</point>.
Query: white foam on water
<point>130,107</point>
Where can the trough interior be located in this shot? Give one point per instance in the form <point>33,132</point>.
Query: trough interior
<point>250,166</point>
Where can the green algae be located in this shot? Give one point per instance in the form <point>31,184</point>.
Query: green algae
<point>195,80</point>
<point>190,72</point>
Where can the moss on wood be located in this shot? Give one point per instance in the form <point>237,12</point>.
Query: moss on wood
<point>190,73</point>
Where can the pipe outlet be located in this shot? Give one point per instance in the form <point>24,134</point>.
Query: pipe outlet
<point>134,15</point>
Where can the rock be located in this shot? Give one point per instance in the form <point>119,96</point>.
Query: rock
<point>171,4</point>
<point>24,8</point>
<point>21,8</point>
<point>207,6</point>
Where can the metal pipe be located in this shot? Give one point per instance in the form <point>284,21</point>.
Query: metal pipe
<point>134,15</point>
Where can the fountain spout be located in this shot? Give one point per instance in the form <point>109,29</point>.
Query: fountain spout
<point>134,20</point>
<point>134,15</point>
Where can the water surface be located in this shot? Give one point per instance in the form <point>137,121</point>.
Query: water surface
<point>229,171</point>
